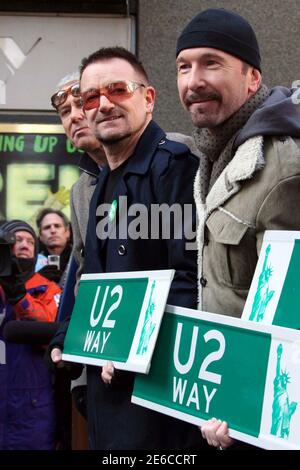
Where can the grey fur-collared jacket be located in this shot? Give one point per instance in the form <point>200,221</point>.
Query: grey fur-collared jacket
<point>259,190</point>
<point>81,194</point>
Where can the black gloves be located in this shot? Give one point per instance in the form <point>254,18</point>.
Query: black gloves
<point>13,293</point>
<point>51,272</point>
<point>13,285</point>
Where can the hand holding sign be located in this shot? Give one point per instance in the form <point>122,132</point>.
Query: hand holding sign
<point>108,371</point>
<point>216,433</point>
<point>56,356</point>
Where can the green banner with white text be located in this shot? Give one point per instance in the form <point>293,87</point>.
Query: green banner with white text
<point>117,317</point>
<point>207,365</point>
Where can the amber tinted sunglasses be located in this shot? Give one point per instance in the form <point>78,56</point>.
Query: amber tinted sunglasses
<point>114,92</point>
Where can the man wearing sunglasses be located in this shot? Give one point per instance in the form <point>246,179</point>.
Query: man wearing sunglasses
<point>146,168</point>
<point>68,103</point>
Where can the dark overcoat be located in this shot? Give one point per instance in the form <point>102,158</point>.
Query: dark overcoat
<point>160,171</point>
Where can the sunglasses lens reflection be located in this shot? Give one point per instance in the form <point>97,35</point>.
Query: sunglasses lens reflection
<point>60,97</point>
<point>114,92</point>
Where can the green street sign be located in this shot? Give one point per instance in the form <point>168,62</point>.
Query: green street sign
<point>117,317</point>
<point>274,293</point>
<point>207,365</point>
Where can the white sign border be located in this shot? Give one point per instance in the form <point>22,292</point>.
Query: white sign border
<point>134,363</point>
<point>276,332</point>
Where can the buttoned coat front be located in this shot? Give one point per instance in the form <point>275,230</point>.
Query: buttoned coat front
<point>159,172</point>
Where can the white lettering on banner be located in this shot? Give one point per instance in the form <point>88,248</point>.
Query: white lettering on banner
<point>111,323</point>
<point>88,340</point>
<point>214,356</point>
<point>117,290</point>
<point>180,393</point>
<point>92,343</point>
<point>184,368</point>
<point>96,343</point>
<point>179,390</point>
<point>94,321</point>
<point>208,397</point>
<point>194,397</point>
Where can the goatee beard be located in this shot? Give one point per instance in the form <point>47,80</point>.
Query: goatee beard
<point>113,140</point>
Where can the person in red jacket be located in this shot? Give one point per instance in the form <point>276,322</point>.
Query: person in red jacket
<point>27,408</point>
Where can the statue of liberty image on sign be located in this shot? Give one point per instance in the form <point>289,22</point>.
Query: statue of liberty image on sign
<point>263,294</point>
<point>148,326</point>
<point>282,409</point>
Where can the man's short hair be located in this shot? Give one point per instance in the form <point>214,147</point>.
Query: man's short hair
<point>48,211</point>
<point>106,53</point>
<point>70,77</point>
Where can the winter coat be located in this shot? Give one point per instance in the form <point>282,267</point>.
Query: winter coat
<point>159,171</point>
<point>81,194</point>
<point>258,190</point>
<point>27,413</point>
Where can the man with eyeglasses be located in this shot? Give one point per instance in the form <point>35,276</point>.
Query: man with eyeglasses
<point>146,168</point>
<point>68,104</point>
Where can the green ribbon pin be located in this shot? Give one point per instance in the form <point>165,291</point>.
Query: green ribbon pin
<point>113,210</point>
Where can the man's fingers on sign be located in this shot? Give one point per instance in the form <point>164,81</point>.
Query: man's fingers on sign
<point>107,372</point>
<point>208,431</point>
<point>216,433</point>
<point>56,355</point>
<point>223,438</point>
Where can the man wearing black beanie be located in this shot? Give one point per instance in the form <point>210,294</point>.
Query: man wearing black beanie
<point>248,179</point>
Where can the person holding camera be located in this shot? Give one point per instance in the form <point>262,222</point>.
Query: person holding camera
<point>27,408</point>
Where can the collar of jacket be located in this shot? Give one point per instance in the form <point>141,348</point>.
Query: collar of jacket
<point>138,163</point>
<point>247,160</point>
<point>88,165</point>
<point>140,160</point>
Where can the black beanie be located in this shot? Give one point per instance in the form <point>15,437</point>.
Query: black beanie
<point>224,30</point>
<point>18,226</point>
